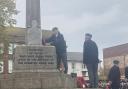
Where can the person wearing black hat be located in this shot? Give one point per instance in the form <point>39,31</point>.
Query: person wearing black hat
<point>90,59</point>
<point>114,75</point>
<point>58,41</point>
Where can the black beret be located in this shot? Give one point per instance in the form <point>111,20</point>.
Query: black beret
<point>55,28</point>
<point>115,62</point>
<point>88,34</point>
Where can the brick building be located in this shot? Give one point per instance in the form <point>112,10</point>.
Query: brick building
<point>119,53</point>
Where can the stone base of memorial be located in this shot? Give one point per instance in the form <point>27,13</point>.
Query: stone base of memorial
<point>37,81</point>
<point>34,67</point>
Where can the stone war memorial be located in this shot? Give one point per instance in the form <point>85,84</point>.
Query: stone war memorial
<point>34,65</point>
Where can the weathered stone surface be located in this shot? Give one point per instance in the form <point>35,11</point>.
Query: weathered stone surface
<point>57,81</point>
<point>32,12</point>
<point>6,83</point>
<point>34,35</point>
<point>36,75</point>
<point>27,83</point>
<point>35,59</point>
<point>33,22</point>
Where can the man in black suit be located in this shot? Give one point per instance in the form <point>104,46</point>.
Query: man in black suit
<point>90,59</point>
<point>114,75</point>
<point>58,41</point>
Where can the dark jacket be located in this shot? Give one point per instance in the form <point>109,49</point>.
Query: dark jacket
<point>90,52</point>
<point>59,43</point>
<point>126,72</point>
<point>114,76</point>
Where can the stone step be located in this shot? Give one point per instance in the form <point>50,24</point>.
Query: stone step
<point>38,81</point>
<point>38,75</point>
<point>75,88</point>
<point>54,88</point>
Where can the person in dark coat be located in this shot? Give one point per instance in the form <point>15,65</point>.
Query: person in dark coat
<point>90,59</point>
<point>114,76</point>
<point>58,41</point>
<point>126,72</point>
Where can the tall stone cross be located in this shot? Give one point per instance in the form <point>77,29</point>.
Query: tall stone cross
<point>33,22</point>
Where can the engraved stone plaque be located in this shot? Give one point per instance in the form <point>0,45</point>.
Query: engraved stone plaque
<point>34,59</point>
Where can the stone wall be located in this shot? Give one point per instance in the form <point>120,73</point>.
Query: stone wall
<point>37,81</point>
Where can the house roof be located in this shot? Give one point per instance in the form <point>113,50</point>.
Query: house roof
<point>75,56</point>
<point>120,50</point>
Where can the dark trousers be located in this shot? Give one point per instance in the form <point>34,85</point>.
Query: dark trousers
<point>115,87</point>
<point>62,58</point>
<point>93,74</point>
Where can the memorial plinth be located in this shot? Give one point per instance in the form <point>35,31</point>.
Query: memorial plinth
<point>35,59</point>
<point>35,67</point>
